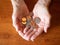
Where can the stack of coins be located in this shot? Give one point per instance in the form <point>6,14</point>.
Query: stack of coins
<point>31,22</point>
<point>24,20</point>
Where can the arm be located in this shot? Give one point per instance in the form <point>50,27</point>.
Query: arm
<point>44,2</point>
<point>18,4</point>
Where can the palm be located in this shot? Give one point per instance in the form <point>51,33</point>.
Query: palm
<point>44,15</point>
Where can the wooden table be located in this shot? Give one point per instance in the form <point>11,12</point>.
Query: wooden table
<point>8,35</point>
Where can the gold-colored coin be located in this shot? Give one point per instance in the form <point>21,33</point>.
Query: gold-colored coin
<point>24,20</point>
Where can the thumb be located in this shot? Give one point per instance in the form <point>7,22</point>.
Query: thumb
<point>47,23</point>
<point>46,27</point>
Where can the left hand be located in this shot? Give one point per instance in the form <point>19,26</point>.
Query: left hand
<point>43,14</point>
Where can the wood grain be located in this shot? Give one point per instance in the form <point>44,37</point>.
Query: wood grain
<point>8,35</point>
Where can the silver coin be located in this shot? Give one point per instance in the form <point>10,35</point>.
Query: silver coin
<point>37,20</point>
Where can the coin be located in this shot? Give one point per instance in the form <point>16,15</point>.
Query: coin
<point>24,20</point>
<point>37,20</point>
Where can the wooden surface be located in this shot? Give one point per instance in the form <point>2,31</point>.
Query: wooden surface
<point>8,35</point>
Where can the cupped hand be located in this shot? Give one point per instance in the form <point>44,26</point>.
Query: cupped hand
<point>44,15</point>
<point>19,10</point>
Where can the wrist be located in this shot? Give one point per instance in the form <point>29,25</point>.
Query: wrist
<point>44,3</point>
<point>17,4</point>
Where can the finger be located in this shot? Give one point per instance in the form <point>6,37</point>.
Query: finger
<point>21,34</point>
<point>40,30</point>
<point>26,29</point>
<point>46,27</point>
<point>47,23</point>
<point>27,33</point>
<point>30,34</point>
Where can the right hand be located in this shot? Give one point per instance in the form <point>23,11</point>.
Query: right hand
<point>19,11</point>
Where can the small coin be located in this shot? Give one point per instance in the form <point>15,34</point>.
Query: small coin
<point>24,20</point>
<point>37,20</point>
